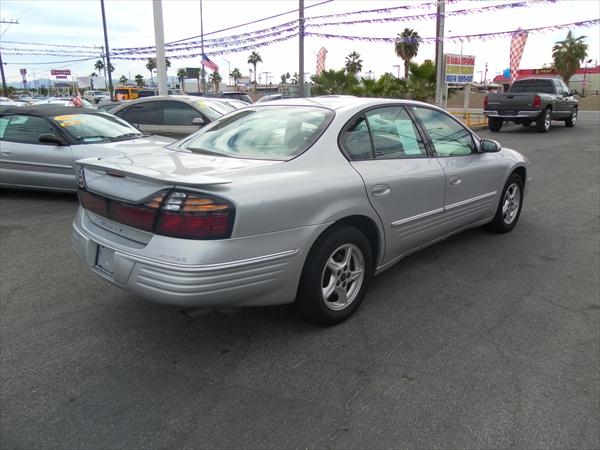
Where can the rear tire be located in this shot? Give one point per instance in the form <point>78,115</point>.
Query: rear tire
<point>509,208</point>
<point>544,121</point>
<point>494,124</point>
<point>336,275</point>
<point>572,120</point>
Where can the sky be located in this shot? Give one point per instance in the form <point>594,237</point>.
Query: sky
<point>130,24</point>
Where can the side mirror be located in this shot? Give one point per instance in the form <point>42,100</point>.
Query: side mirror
<point>51,138</point>
<point>490,146</point>
<point>198,121</point>
<point>572,92</point>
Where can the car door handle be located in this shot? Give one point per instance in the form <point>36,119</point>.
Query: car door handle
<point>380,190</point>
<point>454,180</point>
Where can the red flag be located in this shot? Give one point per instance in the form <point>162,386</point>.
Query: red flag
<point>77,99</point>
<point>517,45</point>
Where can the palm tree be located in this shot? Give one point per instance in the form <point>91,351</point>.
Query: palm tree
<point>139,80</point>
<point>181,75</point>
<point>254,59</point>
<point>123,80</point>
<point>92,76</point>
<point>236,75</point>
<point>421,81</point>
<point>333,82</point>
<point>215,78</point>
<point>353,63</point>
<point>99,66</point>
<point>295,78</point>
<point>568,54</point>
<point>150,66</point>
<point>111,68</point>
<point>407,47</point>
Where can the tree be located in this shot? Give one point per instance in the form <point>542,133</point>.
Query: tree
<point>181,75</point>
<point>151,65</point>
<point>111,68</point>
<point>92,76</point>
<point>139,80</point>
<point>285,77</point>
<point>295,78</point>
<point>353,63</point>
<point>215,78</point>
<point>236,75</point>
<point>407,47</point>
<point>330,82</point>
<point>254,59</point>
<point>421,81</point>
<point>99,66</point>
<point>568,54</point>
<point>123,80</point>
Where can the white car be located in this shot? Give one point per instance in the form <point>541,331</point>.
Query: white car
<point>96,96</point>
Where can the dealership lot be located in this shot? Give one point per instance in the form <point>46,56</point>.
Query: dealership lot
<point>481,341</point>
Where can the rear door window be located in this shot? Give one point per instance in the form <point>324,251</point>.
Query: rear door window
<point>142,114</point>
<point>178,113</point>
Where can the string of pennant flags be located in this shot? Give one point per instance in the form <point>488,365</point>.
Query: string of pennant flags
<point>279,29</point>
<point>248,44</point>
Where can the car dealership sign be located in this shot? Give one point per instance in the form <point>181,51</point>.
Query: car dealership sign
<point>459,69</point>
<point>62,72</point>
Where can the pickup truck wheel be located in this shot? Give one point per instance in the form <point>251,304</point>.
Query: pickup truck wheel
<point>572,120</point>
<point>544,121</point>
<point>494,124</point>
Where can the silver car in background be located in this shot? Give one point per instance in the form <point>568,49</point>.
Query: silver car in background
<point>40,144</point>
<point>174,116</point>
<point>293,200</point>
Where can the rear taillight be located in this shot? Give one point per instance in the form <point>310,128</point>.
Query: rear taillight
<point>485,102</point>
<point>190,215</point>
<point>537,101</point>
<point>184,215</point>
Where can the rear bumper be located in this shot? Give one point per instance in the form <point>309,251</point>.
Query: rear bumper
<point>520,115</point>
<point>271,277</point>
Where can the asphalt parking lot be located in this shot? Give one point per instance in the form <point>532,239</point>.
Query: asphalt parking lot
<point>481,341</point>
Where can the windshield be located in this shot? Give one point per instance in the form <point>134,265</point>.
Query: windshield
<point>212,110</point>
<point>268,132</point>
<point>539,86</point>
<point>93,128</point>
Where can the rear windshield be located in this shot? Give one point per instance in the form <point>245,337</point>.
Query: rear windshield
<point>541,86</point>
<point>268,132</point>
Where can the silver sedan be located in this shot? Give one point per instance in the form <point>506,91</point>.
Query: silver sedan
<point>40,144</point>
<point>292,200</point>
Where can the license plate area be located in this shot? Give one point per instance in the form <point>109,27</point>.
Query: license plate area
<point>104,260</point>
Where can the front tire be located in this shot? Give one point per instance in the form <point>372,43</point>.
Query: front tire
<point>336,275</point>
<point>494,124</point>
<point>572,120</point>
<point>509,208</point>
<point>544,122</point>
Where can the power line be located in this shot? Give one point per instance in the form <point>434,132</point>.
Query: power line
<point>249,23</point>
<point>51,62</point>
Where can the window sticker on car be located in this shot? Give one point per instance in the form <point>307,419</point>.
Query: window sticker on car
<point>407,137</point>
<point>68,120</point>
<point>3,124</point>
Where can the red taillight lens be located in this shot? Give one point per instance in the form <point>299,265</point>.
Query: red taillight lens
<point>94,203</point>
<point>537,101</point>
<point>183,215</point>
<point>195,216</point>
<point>485,102</point>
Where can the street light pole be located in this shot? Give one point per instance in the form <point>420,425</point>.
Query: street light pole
<point>439,52</point>
<point>159,38</point>
<point>107,53</point>
<point>301,48</point>
<point>202,48</point>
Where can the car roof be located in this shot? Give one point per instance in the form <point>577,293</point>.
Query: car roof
<point>49,109</point>
<point>338,102</point>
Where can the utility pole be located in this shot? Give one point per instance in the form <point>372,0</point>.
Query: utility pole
<point>485,74</point>
<point>439,53</point>
<point>398,67</point>
<point>301,49</point>
<point>202,49</point>
<point>107,53</point>
<point>4,88</point>
<point>159,38</point>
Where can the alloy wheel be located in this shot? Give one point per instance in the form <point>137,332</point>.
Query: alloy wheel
<point>511,203</point>
<point>342,277</point>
